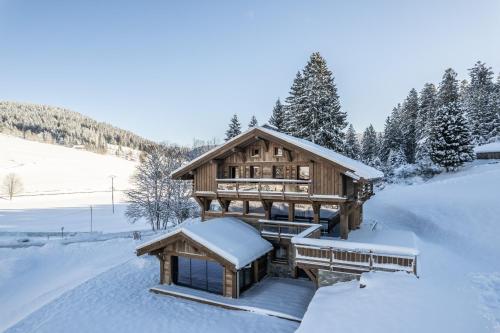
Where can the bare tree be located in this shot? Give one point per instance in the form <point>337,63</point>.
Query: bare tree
<point>155,196</point>
<point>12,185</point>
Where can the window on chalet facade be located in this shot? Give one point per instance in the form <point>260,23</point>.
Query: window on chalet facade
<point>255,152</point>
<point>280,252</point>
<point>303,172</point>
<point>233,172</point>
<point>278,151</point>
<point>278,172</point>
<point>255,171</point>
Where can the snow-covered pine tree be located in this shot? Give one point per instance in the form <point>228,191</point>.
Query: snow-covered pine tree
<point>234,128</point>
<point>320,119</point>
<point>396,159</point>
<point>451,142</point>
<point>409,125</point>
<point>369,149</point>
<point>253,122</point>
<point>426,113</point>
<point>392,134</point>
<point>480,104</point>
<point>294,105</point>
<point>351,146</point>
<point>278,117</point>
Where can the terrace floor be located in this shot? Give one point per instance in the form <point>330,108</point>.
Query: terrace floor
<point>278,297</point>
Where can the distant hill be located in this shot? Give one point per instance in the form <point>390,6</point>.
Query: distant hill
<point>64,127</point>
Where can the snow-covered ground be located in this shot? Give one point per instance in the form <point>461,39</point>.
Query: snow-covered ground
<point>103,287</point>
<point>455,219</point>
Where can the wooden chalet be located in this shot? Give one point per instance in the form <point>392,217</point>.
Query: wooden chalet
<point>267,198</point>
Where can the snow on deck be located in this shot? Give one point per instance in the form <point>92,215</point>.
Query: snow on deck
<point>279,297</point>
<point>229,237</point>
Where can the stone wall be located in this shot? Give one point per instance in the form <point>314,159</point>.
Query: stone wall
<point>327,278</point>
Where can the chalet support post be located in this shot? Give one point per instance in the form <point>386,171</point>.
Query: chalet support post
<point>344,222</point>
<point>268,206</point>
<point>246,207</point>
<point>360,218</point>
<point>351,219</point>
<point>291,211</point>
<point>316,211</point>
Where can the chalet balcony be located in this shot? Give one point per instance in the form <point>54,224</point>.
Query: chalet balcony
<point>270,188</point>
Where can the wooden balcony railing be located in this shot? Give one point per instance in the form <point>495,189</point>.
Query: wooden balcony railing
<point>282,229</point>
<point>333,255</point>
<point>263,187</point>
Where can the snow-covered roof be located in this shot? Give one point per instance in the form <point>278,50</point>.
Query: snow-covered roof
<point>230,238</point>
<point>357,169</point>
<point>493,147</point>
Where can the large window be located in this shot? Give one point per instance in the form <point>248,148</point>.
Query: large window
<point>245,276</point>
<point>233,172</point>
<point>254,171</point>
<point>199,274</point>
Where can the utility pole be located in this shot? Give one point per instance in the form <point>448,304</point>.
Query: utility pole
<point>113,192</point>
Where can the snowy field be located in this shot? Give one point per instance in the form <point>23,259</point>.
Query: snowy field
<point>60,185</point>
<point>103,287</point>
<point>47,170</point>
<point>455,221</point>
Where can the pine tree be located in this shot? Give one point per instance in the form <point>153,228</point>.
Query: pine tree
<point>409,125</point>
<point>396,159</point>
<point>314,106</point>
<point>426,113</point>
<point>351,146</point>
<point>450,137</point>
<point>480,104</point>
<point>278,117</point>
<point>393,139</point>
<point>253,122</point>
<point>369,149</point>
<point>294,105</point>
<point>234,128</point>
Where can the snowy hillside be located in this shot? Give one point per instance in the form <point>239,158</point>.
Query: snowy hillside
<point>59,186</point>
<point>51,169</point>
<point>455,218</point>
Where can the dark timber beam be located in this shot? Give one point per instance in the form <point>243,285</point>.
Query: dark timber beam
<point>246,207</point>
<point>291,211</point>
<point>344,221</point>
<point>316,211</point>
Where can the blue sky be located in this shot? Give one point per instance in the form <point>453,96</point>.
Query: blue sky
<point>173,71</point>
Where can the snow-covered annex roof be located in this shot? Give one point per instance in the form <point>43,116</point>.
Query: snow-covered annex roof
<point>492,147</point>
<point>228,237</point>
<point>357,169</point>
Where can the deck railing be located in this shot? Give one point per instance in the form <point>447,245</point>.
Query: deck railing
<point>263,186</point>
<point>282,229</point>
<point>354,256</point>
